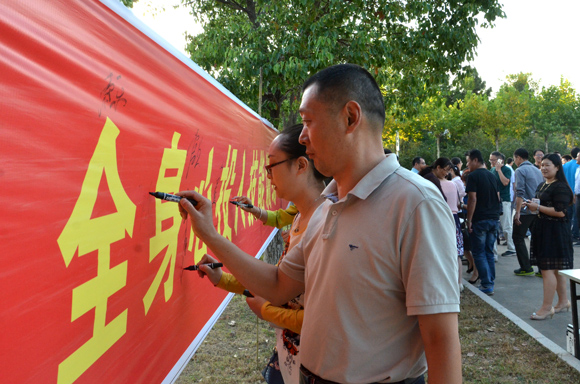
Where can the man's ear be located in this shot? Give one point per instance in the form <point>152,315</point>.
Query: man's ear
<point>353,115</point>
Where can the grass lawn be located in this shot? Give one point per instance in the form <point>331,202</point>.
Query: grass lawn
<point>494,349</point>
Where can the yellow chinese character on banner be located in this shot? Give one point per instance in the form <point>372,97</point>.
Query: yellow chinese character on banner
<point>168,180</point>
<point>87,235</point>
<point>227,179</point>
<point>240,213</point>
<point>195,245</point>
<point>252,187</point>
<point>257,189</point>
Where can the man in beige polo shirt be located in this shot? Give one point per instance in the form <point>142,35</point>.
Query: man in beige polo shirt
<point>378,260</point>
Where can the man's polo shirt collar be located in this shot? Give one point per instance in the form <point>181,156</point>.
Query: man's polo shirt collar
<point>368,183</point>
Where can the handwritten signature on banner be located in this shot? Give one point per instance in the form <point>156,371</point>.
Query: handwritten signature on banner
<point>112,95</point>
<point>89,234</point>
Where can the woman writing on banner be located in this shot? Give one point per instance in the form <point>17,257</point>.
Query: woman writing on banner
<point>551,243</point>
<point>279,219</point>
<point>295,179</point>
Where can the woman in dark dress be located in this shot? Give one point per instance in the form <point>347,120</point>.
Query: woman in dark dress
<point>551,244</point>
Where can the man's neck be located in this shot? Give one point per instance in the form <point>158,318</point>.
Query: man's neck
<point>349,177</point>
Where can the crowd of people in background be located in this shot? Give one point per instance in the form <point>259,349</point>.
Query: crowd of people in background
<point>502,205</point>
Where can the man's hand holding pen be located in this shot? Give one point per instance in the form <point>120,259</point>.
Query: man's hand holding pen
<point>201,216</point>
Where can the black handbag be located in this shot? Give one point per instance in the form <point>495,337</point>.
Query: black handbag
<point>271,372</point>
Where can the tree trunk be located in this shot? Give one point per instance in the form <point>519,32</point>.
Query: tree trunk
<point>438,141</point>
<point>546,143</point>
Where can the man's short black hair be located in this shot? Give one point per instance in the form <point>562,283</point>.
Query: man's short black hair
<point>499,155</point>
<point>509,161</point>
<point>538,150</point>
<point>567,157</point>
<point>475,154</point>
<point>522,152</point>
<point>417,160</point>
<point>341,83</point>
<point>574,152</point>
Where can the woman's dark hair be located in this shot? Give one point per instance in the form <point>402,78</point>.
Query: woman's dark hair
<point>456,171</point>
<point>289,144</point>
<point>560,176</point>
<point>440,162</point>
<point>557,161</point>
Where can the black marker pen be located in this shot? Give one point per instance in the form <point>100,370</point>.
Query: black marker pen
<point>241,204</point>
<point>169,197</point>
<point>211,265</point>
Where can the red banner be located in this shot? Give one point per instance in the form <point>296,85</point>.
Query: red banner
<point>94,116</point>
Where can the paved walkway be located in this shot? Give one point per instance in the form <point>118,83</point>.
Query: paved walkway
<point>522,295</point>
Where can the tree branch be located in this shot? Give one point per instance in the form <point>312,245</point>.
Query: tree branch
<point>249,9</point>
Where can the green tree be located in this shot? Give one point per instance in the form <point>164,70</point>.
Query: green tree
<point>409,45</point>
<point>436,119</point>
<point>555,111</point>
<point>522,82</point>
<point>508,114</point>
<point>466,80</point>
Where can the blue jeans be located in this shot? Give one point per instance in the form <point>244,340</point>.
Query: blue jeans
<point>483,236</point>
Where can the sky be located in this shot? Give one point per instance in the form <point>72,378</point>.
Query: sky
<point>540,37</point>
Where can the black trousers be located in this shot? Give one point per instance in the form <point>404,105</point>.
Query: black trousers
<point>519,237</point>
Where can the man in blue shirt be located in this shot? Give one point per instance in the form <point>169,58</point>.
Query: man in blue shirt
<point>528,177</point>
<point>570,171</point>
<point>418,164</point>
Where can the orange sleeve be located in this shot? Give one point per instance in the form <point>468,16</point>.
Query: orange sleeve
<point>285,318</point>
<point>229,283</point>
